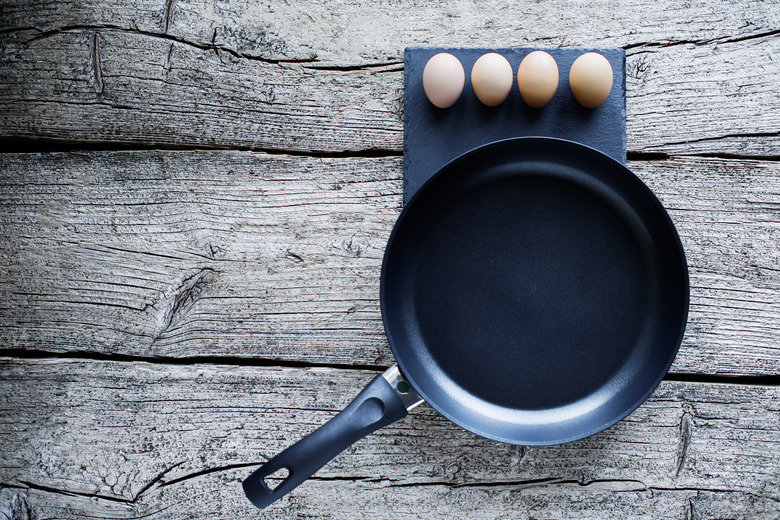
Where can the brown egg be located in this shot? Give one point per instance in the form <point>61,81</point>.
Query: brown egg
<point>537,79</point>
<point>590,79</point>
<point>491,78</point>
<point>443,79</point>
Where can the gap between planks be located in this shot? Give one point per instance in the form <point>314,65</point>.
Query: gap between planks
<point>33,146</point>
<point>18,353</point>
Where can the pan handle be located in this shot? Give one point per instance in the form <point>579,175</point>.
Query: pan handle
<point>386,399</point>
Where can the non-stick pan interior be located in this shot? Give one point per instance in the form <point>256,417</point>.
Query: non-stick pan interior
<point>534,291</point>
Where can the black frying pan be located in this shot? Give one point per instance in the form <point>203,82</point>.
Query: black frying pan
<point>534,292</point>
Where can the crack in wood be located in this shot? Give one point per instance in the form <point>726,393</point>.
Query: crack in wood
<point>691,510</point>
<point>25,28</point>
<point>167,15</point>
<point>66,492</point>
<point>549,481</point>
<point>690,489</point>
<point>298,259</point>
<point>13,145</point>
<point>33,354</point>
<point>725,136</point>
<point>737,156</point>
<point>186,295</point>
<point>155,480</point>
<point>103,248</point>
<point>129,501</point>
<point>168,58</point>
<point>95,65</point>
<point>207,471</point>
<point>42,298</point>
<point>24,353</point>
<point>686,431</point>
<point>390,66</point>
<point>653,155</point>
<point>212,46</point>
<point>757,380</point>
<point>767,34</point>
<point>630,485</point>
<point>717,40</point>
<point>26,145</point>
<point>647,156</point>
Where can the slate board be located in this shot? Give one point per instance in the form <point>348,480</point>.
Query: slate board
<point>434,136</point>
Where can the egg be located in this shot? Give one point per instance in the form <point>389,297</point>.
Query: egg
<point>590,79</point>
<point>443,79</point>
<point>491,78</point>
<point>537,79</point>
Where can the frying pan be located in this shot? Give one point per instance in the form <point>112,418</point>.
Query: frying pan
<point>534,291</point>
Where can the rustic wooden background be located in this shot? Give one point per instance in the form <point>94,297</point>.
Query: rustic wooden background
<point>194,205</point>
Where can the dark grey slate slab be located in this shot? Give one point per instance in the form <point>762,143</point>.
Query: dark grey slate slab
<point>434,136</point>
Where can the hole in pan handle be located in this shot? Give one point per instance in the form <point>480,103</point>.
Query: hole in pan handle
<point>386,399</point>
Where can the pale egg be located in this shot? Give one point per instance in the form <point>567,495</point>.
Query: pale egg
<point>537,79</point>
<point>443,79</point>
<point>491,78</point>
<point>590,79</point>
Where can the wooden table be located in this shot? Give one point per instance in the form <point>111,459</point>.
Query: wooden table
<point>195,202</point>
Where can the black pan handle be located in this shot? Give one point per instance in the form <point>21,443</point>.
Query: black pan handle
<point>386,399</point>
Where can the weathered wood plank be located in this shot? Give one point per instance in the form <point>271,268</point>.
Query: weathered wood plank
<point>218,496</point>
<point>144,254</point>
<point>181,254</point>
<point>357,32</point>
<point>705,98</point>
<point>118,86</point>
<point>728,216</point>
<point>131,88</point>
<point>137,439</point>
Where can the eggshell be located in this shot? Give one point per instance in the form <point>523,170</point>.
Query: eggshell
<point>590,79</point>
<point>537,79</point>
<point>491,78</point>
<point>443,79</point>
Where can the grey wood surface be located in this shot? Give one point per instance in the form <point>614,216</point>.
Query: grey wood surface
<point>259,256</point>
<point>174,441</point>
<point>329,79</point>
<point>194,203</point>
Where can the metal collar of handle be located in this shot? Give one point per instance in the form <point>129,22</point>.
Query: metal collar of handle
<point>402,388</point>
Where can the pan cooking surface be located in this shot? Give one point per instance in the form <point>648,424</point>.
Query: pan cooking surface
<point>531,282</point>
<point>534,291</point>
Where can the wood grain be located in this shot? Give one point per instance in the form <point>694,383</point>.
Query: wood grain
<point>246,255</point>
<point>172,441</point>
<point>218,496</point>
<point>692,98</point>
<point>357,33</point>
<point>118,86</point>
<point>129,88</point>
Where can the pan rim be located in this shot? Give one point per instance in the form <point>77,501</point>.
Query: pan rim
<point>667,223</point>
